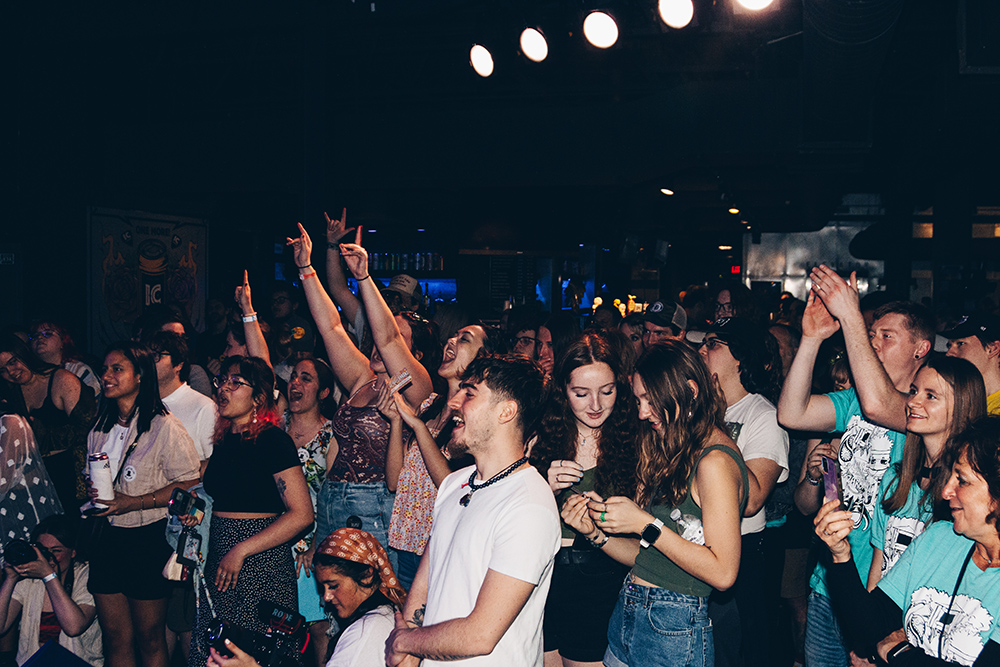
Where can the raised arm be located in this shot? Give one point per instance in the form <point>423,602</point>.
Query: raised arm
<point>798,407</point>
<point>880,401</point>
<point>335,278</point>
<point>389,341</point>
<point>347,361</point>
<point>256,345</point>
<point>809,492</point>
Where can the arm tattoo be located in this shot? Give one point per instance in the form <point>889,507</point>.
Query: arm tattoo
<point>280,483</point>
<point>418,616</point>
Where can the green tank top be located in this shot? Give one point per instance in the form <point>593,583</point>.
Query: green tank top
<point>586,484</point>
<point>656,567</point>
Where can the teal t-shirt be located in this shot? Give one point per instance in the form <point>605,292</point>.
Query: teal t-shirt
<point>922,582</point>
<point>866,452</point>
<point>894,532</point>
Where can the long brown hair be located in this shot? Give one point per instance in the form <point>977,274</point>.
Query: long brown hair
<point>968,404</point>
<point>689,413</point>
<point>616,439</point>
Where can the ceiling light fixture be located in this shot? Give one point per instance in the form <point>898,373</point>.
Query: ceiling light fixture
<point>666,191</point>
<point>481,60</point>
<point>600,30</point>
<point>533,45</point>
<point>677,13</point>
<point>734,211</point>
<point>755,4</point>
<point>725,247</point>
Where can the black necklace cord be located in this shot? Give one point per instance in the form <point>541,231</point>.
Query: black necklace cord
<point>467,498</point>
<point>947,618</point>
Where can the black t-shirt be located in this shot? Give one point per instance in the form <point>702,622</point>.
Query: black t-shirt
<point>239,476</point>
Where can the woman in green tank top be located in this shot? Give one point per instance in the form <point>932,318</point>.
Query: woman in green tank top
<point>661,617</point>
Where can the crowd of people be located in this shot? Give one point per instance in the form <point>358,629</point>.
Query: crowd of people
<point>701,483</point>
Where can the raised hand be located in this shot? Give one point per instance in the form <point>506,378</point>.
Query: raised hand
<point>839,296</point>
<point>336,229</point>
<point>817,322</point>
<point>356,258</point>
<point>243,295</point>
<point>301,247</point>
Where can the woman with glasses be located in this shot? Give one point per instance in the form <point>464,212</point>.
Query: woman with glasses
<point>54,345</point>
<point>59,409</point>
<point>355,484</point>
<point>149,454</point>
<point>260,504</point>
<point>733,299</point>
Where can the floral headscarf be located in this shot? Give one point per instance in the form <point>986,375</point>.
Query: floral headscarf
<point>360,547</point>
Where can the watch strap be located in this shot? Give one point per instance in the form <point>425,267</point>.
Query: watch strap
<point>655,523</point>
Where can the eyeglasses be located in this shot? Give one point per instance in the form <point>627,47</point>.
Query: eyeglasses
<point>525,341</point>
<point>220,381</point>
<point>42,335</point>
<point>157,355</point>
<point>727,307</point>
<point>713,343</point>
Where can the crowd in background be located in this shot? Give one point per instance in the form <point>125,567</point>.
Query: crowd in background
<point>818,484</point>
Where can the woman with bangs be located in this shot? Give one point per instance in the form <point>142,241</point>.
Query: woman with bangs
<point>691,491</point>
<point>260,503</point>
<point>150,454</point>
<point>586,443</point>
<point>355,484</point>
<point>947,394</point>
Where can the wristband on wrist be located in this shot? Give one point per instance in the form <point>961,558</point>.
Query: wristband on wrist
<point>303,267</point>
<point>814,482</point>
<point>894,652</point>
<point>49,577</point>
<point>252,317</point>
<point>599,544</point>
<point>306,276</point>
<point>365,278</point>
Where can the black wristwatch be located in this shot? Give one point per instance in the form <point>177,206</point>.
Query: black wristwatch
<point>894,652</point>
<point>651,533</point>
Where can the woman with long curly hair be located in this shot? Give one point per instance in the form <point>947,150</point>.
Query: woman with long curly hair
<point>260,504</point>
<point>691,492</point>
<point>586,443</point>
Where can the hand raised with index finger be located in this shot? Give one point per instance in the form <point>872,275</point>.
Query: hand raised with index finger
<point>336,229</point>
<point>356,258</point>
<point>301,247</point>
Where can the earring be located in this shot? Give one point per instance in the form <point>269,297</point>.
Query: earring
<point>253,415</point>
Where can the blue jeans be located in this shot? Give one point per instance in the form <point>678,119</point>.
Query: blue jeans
<point>408,564</point>
<point>824,643</point>
<point>656,627</point>
<point>372,503</point>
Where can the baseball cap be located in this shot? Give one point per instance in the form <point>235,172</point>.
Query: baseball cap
<point>665,314</point>
<point>982,325</point>
<point>407,286</point>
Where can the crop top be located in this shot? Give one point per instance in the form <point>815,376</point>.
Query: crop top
<point>240,472</point>
<point>655,566</point>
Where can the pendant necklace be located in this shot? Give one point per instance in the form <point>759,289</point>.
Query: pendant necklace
<point>467,498</point>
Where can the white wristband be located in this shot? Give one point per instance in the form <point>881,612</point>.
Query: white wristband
<point>252,317</point>
<point>49,577</point>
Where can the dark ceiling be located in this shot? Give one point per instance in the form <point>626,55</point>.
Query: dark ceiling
<point>257,114</point>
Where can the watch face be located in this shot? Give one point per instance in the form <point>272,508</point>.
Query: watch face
<point>651,533</point>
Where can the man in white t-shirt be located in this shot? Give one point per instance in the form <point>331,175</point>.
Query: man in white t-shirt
<point>479,593</point>
<point>197,412</point>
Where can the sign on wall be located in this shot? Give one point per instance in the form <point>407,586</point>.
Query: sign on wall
<point>139,260</point>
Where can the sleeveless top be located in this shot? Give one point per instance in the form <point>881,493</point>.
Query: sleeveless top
<point>656,567</point>
<point>363,438</point>
<point>47,420</point>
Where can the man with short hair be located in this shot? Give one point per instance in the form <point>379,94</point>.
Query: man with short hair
<point>871,416</point>
<point>479,593</point>
<point>197,412</point>
<point>976,338</point>
<point>663,320</point>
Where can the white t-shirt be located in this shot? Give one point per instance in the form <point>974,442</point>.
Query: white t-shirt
<point>198,413</point>
<point>363,643</point>
<point>753,422</point>
<point>115,446</point>
<point>512,528</point>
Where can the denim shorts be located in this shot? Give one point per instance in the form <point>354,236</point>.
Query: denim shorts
<point>370,502</point>
<point>656,627</point>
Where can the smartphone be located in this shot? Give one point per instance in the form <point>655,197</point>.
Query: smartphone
<point>182,503</point>
<point>188,548</point>
<point>830,489</point>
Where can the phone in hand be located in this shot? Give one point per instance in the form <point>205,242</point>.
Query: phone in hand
<point>831,491</point>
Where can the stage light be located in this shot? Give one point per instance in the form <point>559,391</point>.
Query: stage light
<point>666,191</point>
<point>533,45</point>
<point>676,13</point>
<point>600,30</point>
<point>734,211</point>
<point>755,4</point>
<point>482,60</point>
